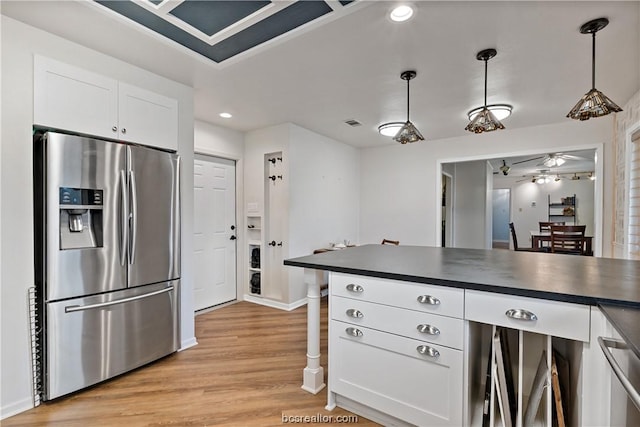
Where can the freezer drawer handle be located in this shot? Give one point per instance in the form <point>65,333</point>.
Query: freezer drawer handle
<point>428,329</point>
<point>605,344</point>
<point>355,288</point>
<point>521,314</point>
<point>428,351</point>
<point>428,299</point>
<point>72,308</point>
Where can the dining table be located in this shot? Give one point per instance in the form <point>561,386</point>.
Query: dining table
<point>542,239</point>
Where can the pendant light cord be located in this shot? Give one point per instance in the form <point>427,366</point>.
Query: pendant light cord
<point>408,99</point>
<point>485,82</point>
<point>593,61</point>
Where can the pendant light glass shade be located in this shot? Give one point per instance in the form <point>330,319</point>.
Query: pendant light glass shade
<point>485,120</point>
<point>408,132</point>
<point>594,103</point>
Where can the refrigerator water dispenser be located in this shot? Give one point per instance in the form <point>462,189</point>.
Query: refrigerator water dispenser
<point>80,218</point>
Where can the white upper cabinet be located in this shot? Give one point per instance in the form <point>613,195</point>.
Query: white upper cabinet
<point>69,98</point>
<point>76,100</point>
<point>147,118</point>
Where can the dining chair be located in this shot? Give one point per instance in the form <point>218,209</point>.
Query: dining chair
<point>515,241</point>
<point>546,226</point>
<point>390,242</point>
<point>568,239</point>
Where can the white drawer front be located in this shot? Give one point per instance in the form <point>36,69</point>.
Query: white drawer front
<point>428,298</point>
<point>389,373</point>
<point>428,327</point>
<point>554,318</point>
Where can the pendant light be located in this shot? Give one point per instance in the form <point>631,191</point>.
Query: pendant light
<point>594,103</point>
<point>485,120</point>
<point>408,132</point>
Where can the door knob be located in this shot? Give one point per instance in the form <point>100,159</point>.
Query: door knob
<point>272,243</point>
<point>232,238</point>
<point>233,227</point>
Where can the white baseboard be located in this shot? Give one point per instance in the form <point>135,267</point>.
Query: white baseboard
<point>191,342</point>
<point>275,304</point>
<point>16,408</point>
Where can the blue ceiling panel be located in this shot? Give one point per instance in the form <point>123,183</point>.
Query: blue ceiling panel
<point>287,19</point>
<point>156,2</point>
<point>277,24</point>
<point>213,16</point>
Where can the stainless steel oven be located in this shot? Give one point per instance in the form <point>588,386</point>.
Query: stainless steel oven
<point>625,383</point>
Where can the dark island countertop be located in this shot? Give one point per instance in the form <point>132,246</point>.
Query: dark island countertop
<point>568,278</point>
<point>612,284</point>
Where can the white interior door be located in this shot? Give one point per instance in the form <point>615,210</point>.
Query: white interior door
<point>214,190</point>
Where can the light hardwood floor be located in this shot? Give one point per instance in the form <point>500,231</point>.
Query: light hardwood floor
<point>245,371</point>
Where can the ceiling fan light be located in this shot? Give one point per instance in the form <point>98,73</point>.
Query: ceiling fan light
<point>390,129</point>
<point>593,104</point>
<point>408,133</point>
<point>484,121</point>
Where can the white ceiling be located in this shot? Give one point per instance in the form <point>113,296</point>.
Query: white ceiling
<point>349,68</point>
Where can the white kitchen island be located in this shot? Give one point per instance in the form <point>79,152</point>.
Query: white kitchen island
<point>411,329</point>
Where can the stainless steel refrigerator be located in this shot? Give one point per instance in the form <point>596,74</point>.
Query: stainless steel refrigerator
<point>107,259</point>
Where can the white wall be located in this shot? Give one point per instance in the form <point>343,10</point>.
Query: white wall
<point>400,192</point>
<point>324,197</point>
<point>322,200</point>
<point>469,205</point>
<point>19,43</point>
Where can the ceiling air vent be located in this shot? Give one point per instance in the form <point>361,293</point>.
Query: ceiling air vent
<point>353,122</point>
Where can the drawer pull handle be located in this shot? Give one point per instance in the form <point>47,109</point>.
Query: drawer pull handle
<point>521,314</point>
<point>352,312</point>
<point>355,288</point>
<point>428,299</point>
<point>354,332</point>
<point>428,351</point>
<point>428,329</point>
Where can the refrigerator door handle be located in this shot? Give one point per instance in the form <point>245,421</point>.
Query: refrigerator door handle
<point>74,308</point>
<point>133,217</point>
<point>124,236</point>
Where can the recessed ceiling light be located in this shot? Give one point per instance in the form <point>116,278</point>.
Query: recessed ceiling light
<point>401,13</point>
<point>225,115</point>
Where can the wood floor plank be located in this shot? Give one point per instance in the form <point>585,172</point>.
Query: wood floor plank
<point>245,371</point>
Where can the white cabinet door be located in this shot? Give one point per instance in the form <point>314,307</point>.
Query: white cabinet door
<point>73,99</point>
<point>147,118</point>
<point>396,375</point>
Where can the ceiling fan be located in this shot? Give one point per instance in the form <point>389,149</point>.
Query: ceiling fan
<point>551,160</point>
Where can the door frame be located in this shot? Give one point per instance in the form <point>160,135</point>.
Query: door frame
<point>598,186</point>
<point>240,219</point>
